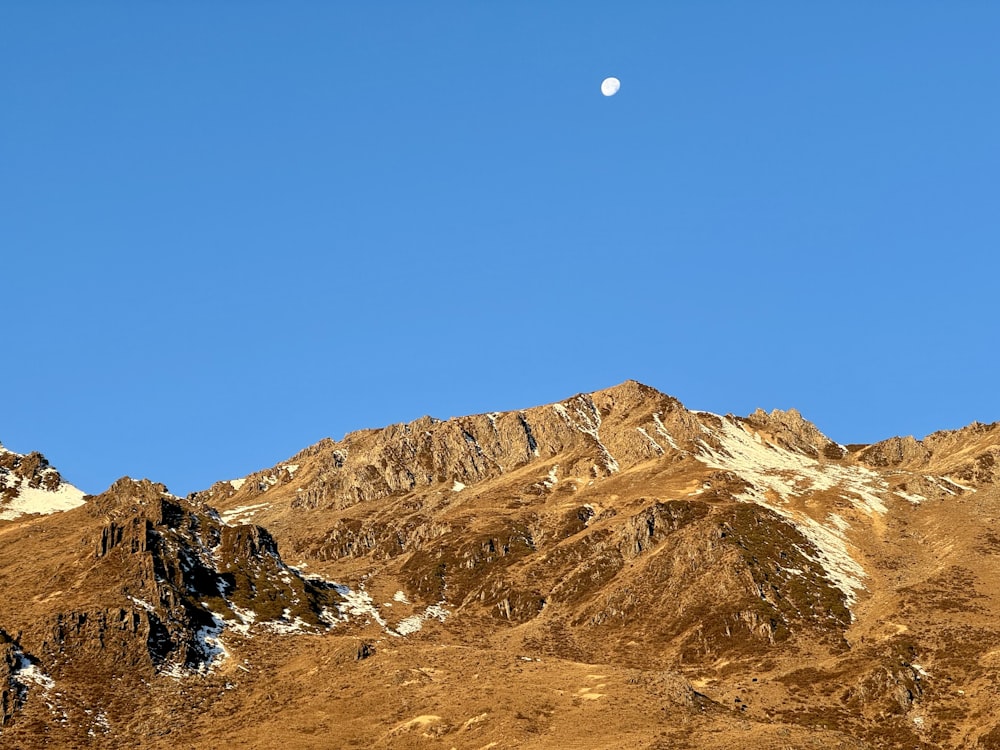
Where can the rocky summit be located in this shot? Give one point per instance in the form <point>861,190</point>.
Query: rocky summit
<point>610,571</point>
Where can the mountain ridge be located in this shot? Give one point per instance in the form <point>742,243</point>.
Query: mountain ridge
<point>746,575</point>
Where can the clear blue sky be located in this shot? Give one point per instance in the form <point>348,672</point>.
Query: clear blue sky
<point>228,230</point>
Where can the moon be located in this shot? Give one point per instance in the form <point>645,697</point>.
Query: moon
<point>610,86</point>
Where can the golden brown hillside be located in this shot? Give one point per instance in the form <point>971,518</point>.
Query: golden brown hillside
<point>612,571</point>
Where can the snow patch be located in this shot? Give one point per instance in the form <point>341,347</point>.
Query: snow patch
<point>942,484</point>
<point>35,500</point>
<point>915,499</point>
<point>28,672</point>
<point>209,640</point>
<point>287,625</point>
<point>833,555</point>
<point>247,617</point>
<point>236,484</point>
<point>953,483</point>
<point>241,514</point>
<point>414,623</point>
<point>358,604</point>
<point>589,423</point>
<point>787,474</point>
<point>457,487</point>
<point>776,475</point>
<point>656,446</point>
<point>662,431</point>
<point>141,603</point>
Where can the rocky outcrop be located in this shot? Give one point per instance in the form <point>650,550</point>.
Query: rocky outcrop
<point>896,451</point>
<point>25,471</point>
<point>18,673</point>
<point>183,575</point>
<point>469,568</point>
<point>891,685</point>
<point>715,578</point>
<point>379,538</point>
<point>11,693</point>
<point>33,468</point>
<point>970,454</point>
<point>791,431</point>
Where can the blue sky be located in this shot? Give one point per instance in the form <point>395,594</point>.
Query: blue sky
<point>229,230</point>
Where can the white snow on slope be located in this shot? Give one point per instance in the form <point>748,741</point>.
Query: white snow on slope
<point>242,514</point>
<point>662,431</point>
<point>656,446</point>
<point>788,474</point>
<point>141,603</point>
<point>953,483</point>
<point>29,673</point>
<point>247,617</point>
<point>589,423</point>
<point>210,640</point>
<point>913,498</point>
<point>413,623</point>
<point>38,500</point>
<point>288,625</point>
<point>359,604</point>
<point>777,475</point>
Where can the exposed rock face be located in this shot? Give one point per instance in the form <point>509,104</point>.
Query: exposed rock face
<point>895,451</point>
<point>970,454</point>
<point>185,574</point>
<point>32,469</point>
<point>789,430</point>
<point>11,693</point>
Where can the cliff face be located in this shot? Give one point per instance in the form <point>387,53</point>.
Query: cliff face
<point>186,575</point>
<point>139,584</point>
<point>732,571</point>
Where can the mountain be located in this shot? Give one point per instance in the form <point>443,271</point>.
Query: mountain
<point>610,571</point>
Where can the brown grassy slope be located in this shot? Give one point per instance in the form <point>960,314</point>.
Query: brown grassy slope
<point>606,587</point>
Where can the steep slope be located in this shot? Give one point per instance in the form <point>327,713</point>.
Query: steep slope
<point>132,585</point>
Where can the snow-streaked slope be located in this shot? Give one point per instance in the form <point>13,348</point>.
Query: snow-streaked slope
<point>18,497</point>
<point>776,475</point>
<point>37,500</point>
